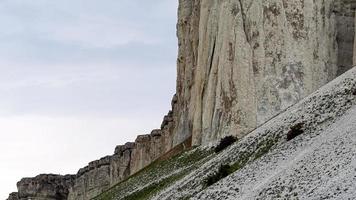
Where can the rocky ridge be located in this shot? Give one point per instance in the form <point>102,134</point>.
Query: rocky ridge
<point>240,63</point>
<point>44,186</point>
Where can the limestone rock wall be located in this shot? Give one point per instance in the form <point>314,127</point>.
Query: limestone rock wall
<point>188,40</point>
<point>345,22</point>
<point>91,179</point>
<point>44,186</point>
<point>241,62</point>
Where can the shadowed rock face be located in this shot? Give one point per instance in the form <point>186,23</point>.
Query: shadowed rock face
<point>240,63</point>
<point>45,186</point>
<point>13,196</point>
<point>345,17</point>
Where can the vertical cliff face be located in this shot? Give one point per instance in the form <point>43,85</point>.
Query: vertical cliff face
<point>243,61</point>
<point>188,41</point>
<point>240,62</point>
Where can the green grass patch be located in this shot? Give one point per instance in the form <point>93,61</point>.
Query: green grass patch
<point>226,170</point>
<point>149,181</point>
<point>264,148</point>
<point>154,188</point>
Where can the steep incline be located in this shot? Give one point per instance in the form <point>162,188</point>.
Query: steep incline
<point>318,164</point>
<point>270,162</point>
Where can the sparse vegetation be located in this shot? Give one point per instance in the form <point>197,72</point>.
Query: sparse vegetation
<point>295,131</point>
<point>152,189</point>
<point>162,174</point>
<point>223,172</point>
<point>264,148</point>
<point>224,143</point>
<point>157,176</point>
<point>226,170</point>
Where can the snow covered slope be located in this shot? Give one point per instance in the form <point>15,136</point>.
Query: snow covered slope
<point>318,164</point>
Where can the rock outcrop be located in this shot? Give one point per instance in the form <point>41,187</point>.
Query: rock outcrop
<point>44,186</point>
<point>240,62</point>
<point>13,196</point>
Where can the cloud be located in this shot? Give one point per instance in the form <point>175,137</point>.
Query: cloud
<point>84,57</point>
<point>88,23</point>
<point>87,90</point>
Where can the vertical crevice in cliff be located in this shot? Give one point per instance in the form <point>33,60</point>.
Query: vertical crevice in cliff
<point>211,58</point>
<point>205,86</point>
<point>244,22</point>
<point>209,81</point>
<point>215,81</point>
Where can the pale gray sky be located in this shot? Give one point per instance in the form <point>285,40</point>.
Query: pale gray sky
<point>78,77</point>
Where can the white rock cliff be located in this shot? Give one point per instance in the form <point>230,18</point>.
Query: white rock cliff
<point>240,62</point>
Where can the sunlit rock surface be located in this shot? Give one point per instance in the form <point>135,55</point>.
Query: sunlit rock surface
<point>241,62</point>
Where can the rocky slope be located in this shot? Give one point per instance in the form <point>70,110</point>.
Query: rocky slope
<point>318,162</point>
<point>321,165</point>
<point>240,63</point>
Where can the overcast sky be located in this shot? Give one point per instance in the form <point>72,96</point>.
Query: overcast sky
<point>77,78</point>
